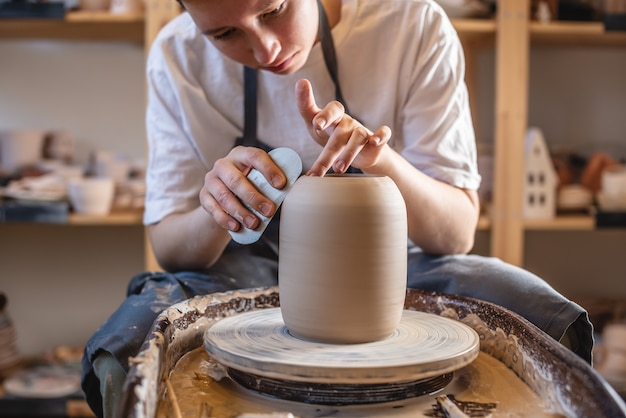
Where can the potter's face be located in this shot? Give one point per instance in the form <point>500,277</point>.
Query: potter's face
<point>272,35</point>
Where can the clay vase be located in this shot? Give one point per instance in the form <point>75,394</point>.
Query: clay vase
<point>343,258</point>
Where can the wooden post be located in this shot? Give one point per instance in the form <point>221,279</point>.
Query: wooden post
<point>511,119</point>
<point>158,13</point>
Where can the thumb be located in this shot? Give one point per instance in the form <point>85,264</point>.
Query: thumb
<point>306,101</point>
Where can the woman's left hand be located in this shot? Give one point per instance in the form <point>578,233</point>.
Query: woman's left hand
<point>345,140</point>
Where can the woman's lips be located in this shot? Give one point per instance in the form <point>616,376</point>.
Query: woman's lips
<point>280,68</point>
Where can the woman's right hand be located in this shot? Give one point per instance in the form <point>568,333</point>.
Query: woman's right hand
<point>344,140</point>
<point>226,186</point>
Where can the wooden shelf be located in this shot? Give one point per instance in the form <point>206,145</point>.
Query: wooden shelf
<point>114,218</point>
<point>82,25</point>
<point>91,26</point>
<point>560,223</point>
<point>575,34</point>
<point>557,33</point>
<point>475,26</point>
<point>106,26</point>
<point>104,17</point>
<point>564,222</point>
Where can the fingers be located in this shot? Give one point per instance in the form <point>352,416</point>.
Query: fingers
<point>320,122</point>
<point>344,139</point>
<point>227,188</point>
<point>381,136</point>
<point>350,144</point>
<point>338,154</point>
<point>306,101</point>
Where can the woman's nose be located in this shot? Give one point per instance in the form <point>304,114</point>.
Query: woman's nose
<point>265,48</point>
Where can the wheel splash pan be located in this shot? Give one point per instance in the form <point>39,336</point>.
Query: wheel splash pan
<point>564,382</point>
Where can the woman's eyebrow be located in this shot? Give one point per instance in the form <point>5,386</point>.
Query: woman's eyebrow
<point>267,4</point>
<point>210,32</point>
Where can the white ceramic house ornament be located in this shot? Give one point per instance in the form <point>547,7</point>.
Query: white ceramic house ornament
<point>539,176</point>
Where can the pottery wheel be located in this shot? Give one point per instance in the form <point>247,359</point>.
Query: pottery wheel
<point>423,346</point>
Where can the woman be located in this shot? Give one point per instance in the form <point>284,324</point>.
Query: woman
<point>230,79</point>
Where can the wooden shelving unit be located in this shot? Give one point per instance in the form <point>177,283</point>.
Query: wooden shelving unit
<point>510,33</point>
<point>513,35</point>
<point>88,26</point>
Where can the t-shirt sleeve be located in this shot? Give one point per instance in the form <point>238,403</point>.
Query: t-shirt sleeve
<point>175,170</point>
<point>438,129</point>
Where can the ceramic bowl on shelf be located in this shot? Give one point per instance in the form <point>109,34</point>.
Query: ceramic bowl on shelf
<point>20,148</point>
<point>610,202</point>
<point>612,196</point>
<point>574,197</point>
<point>91,195</point>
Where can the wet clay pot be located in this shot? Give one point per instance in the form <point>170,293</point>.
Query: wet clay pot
<point>343,258</point>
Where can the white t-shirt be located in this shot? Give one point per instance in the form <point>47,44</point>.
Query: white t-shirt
<point>400,64</point>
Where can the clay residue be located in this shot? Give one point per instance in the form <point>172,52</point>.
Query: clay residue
<point>486,380</point>
<point>176,330</point>
<point>508,350</point>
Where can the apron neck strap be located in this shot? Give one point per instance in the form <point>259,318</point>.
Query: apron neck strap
<point>249,104</point>
<point>328,49</point>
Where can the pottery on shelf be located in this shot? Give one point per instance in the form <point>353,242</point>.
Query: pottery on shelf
<point>343,258</point>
